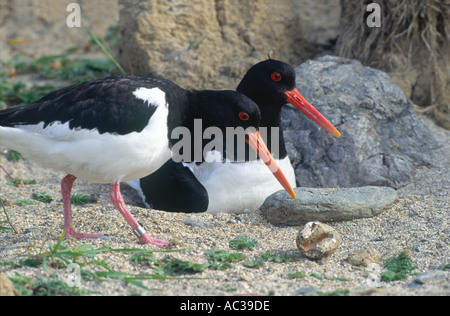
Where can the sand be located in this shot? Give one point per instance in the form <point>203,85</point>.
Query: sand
<point>418,224</point>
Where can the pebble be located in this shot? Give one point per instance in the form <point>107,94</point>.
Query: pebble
<point>364,257</point>
<point>317,240</point>
<point>327,204</point>
<point>196,222</point>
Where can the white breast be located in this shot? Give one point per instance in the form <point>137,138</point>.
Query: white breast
<point>235,187</point>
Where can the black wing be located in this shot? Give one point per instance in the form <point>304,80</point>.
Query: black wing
<point>107,105</point>
<point>174,188</point>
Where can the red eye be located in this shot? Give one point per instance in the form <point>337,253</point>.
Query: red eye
<point>276,76</point>
<point>243,116</point>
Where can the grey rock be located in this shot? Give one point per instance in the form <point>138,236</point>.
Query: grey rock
<point>196,222</point>
<point>327,204</point>
<point>430,276</point>
<point>383,141</point>
<point>307,290</point>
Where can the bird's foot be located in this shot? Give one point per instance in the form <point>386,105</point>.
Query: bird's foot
<point>70,232</point>
<point>145,239</point>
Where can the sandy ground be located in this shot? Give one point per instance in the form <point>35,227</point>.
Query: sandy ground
<point>418,223</point>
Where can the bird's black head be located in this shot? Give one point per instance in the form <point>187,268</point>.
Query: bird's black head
<point>267,82</point>
<point>271,84</point>
<point>228,109</point>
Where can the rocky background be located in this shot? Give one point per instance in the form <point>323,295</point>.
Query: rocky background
<point>210,43</point>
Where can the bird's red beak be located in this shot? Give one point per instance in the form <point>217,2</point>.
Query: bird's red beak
<point>296,99</point>
<point>257,143</point>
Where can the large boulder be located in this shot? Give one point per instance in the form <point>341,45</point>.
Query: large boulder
<point>383,141</point>
<point>211,43</point>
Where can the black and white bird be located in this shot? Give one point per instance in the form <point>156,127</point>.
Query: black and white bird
<point>118,129</point>
<point>232,187</point>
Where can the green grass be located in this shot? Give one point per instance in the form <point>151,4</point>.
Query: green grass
<point>270,257</point>
<point>52,286</point>
<point>65,67</point>
<point>8,220</point>
<point>444,267</point>
<point>81,199</point>
<point>243,242</point>
<point>19,182</point>
<point>337,292</point>
<point>297,275</point>
<point>60,67</point>
<point>221,259</point>
<point>25,202</point>
<point>398,268</point>
<point>43,197</point>
<point>13,156</point>
<point>17,93</point>
<point>58,256</point>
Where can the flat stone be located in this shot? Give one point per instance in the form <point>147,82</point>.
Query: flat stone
<point>430,276</point>
<point>327,204</point>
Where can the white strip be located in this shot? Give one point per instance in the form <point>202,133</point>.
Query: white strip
<point>154,96</point>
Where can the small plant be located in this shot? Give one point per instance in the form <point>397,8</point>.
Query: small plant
<point>13,156</point>
<point>81,199</point>
<point>342,279</point>
<point>171,266</point>
<point>43,197</point>
<point>257,263</point>
<point>270,257</point>
<point>297,275</point>
<point>398,268</point>
<point>223,256</point>
<point>220,259</point>
<point>445,267</point>
<point>25,202</point>
<point>243,242</point>
<point>19,182</point>
<point>317,276</point>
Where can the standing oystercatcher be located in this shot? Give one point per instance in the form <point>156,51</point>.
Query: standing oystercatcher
<point>232,186</point>
<point>119,129</point>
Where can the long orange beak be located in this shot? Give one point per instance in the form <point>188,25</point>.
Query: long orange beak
<point>296,99</point>
<point>257,143</point>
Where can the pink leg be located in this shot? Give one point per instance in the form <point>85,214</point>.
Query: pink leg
<point>66,189</point>
<point>144,238</point>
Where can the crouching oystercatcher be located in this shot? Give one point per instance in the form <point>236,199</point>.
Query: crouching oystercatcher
<point>227,186</point>
<point>118,129</point>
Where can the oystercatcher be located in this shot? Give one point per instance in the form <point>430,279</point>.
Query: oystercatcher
<point>118,129</point>
<point>232,186</point>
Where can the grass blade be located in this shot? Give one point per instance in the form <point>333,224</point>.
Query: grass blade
<point>7,216</point>
<point>104,47</point>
